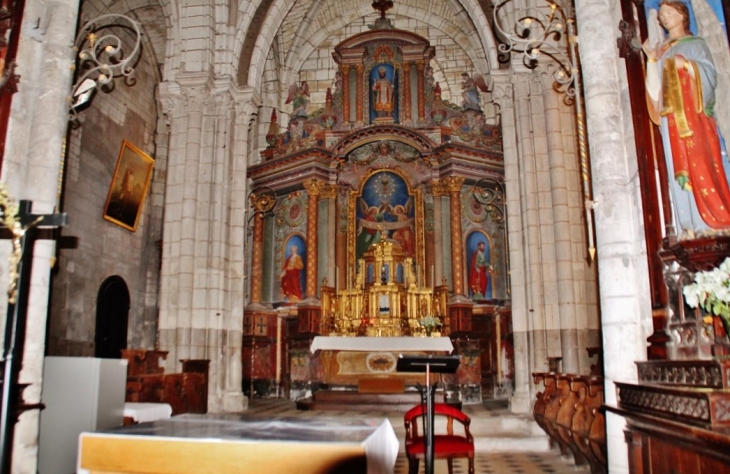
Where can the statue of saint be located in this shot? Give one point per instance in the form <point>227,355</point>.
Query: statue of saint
<point>383,94</point>
<point>681,78</point>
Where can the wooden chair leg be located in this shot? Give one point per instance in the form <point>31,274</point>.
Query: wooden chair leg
<point>471,464</point>
<point>450,463</point>
<point>412,465</point>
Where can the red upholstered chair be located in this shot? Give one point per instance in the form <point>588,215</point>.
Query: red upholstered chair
<point>445,445</point>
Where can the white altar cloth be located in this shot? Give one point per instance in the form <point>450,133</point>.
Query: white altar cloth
<point>399,344</point>
<point>145,412</point>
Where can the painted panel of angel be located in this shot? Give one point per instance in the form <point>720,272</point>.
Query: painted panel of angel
<point>688,80</point>
<point>385,212</point>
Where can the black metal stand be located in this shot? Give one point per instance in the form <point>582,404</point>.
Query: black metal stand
<point>428,364</point>
<point>10,404</point>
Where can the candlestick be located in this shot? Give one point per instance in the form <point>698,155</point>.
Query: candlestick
<point>337,279</point>
<point>433,281</point>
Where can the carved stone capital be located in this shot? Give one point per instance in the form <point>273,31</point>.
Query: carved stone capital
<point>247,102</point>
<point>186,95</point>
<point>502,91</point>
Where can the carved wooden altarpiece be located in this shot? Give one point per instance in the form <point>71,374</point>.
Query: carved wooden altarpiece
<point>386,193</point>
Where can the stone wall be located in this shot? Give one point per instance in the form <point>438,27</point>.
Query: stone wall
<point>100,249</point>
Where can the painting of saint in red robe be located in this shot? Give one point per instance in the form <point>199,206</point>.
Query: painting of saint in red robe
<point>292,273</point>
<point>479,268</point>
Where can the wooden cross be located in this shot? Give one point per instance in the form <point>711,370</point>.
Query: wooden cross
<point>383,6</point>
<point>24,234</point>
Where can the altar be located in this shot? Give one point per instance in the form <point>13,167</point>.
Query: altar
<point>369,363</point>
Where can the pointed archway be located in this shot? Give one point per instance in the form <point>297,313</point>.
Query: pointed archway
<point>112,315</point>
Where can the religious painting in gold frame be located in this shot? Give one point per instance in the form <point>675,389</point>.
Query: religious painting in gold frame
<point>129,186</point>
<point>387,204</point>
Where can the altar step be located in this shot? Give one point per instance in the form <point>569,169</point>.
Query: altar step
<point>350,400</point>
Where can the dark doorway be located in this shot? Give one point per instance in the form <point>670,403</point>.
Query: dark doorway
<point>112,315</point>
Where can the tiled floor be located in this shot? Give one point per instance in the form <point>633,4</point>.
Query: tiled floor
<point>501,463</point>
<point>484,463</point>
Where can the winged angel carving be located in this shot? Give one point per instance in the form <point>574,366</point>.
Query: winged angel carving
<point>299,95</point>
<point>470,87</point>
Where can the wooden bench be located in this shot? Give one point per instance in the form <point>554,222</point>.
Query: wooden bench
<point>569,410</point>
<point>185,392</point>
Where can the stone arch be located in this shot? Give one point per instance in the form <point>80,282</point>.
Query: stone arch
<point>471,8</point>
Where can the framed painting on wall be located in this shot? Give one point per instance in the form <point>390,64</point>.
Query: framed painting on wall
<point>129,187</point>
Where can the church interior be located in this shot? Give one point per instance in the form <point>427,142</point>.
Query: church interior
<point>251,201</point>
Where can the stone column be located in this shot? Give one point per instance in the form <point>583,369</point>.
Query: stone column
<point>624,296</point>
<point>555,135</point>
<point>420,67</point>
<point>358,94</point>
<point>406,91</point>
<point>201,295</point>
<point>31,169</point>
<point>453,186</point>
<point>503,95</point>
<point>183,103</point>
<point>246,108</point>
<point>345,93</point>
<point>314,189</point>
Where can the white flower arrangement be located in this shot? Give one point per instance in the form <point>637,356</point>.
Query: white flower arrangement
<point>711,292</point>
<point>429,322</point>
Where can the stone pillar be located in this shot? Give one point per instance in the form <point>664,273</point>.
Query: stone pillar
<point>183,103</point>
<point>246,103</point>
<point>345,93</point>
<point>561,227</point>
<point>624,296</point>
<point>406,92</point>
<point>453,186</point>
<point>503,95</point>
<point>31,169</point>
<point>358,93</point>
<point>526,180</point>
<point>314,189</point>
<point>420,67</point>
<point>201,292</point>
